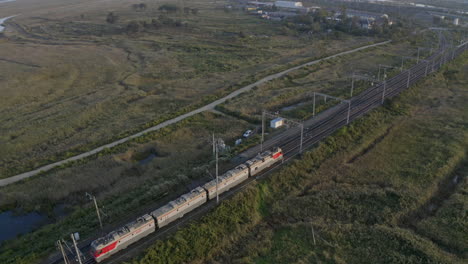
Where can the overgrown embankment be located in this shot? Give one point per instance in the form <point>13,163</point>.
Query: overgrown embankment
<point>322,209</point>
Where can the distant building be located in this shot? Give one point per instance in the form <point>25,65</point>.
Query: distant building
<point>277,122</point>
<point>281,5</point>
<point>288,4</point>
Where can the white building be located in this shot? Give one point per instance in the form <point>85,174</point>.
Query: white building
<point>288,4</point>
<point>277,122</point>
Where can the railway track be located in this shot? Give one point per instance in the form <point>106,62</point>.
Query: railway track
<point>328,122</point>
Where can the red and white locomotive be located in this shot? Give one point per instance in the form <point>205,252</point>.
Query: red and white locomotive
<point>121,238</point>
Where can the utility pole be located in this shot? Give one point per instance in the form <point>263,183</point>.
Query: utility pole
<point>427,66</point>
<point>383,92</point>
<point>263,130</point>
<point>384,67</point>
<point>214,145</point>
<point>378,75</point>
<point>302,133</point>
<point>407,58</point>
<point>349,111</point>
<point>313,233</point>
<point>339,99</point>
<point>313,113</point>
<point>417,61</point>
<point>90,196</point>
<point>409,75</point>
<point>217,181</point>
<point>76,249</point>
<point>361,77</point>
<point>59,245</point>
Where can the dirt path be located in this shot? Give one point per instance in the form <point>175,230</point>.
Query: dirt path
<point>19,177</point>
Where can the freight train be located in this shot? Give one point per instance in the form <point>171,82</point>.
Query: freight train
<point>121,238</point>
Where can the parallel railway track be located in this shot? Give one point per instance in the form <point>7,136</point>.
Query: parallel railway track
<point>330,121</point>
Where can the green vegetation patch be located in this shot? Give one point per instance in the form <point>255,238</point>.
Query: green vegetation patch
<point>354,210</point>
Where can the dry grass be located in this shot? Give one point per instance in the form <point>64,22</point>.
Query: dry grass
<point>331,77</point>
<point>72,82</point>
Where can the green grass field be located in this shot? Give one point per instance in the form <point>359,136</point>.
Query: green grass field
<point>339,204</point>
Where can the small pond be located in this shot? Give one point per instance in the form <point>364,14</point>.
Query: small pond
<point>12,225</point>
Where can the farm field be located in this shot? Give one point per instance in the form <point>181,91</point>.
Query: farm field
<point>374,192</point>
<point>71,81</point>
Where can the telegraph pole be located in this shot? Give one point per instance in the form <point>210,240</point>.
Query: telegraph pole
<point>313,113</point>
<point>59,245</point>
<point>352,85</point>
<point>427,66</point>
<point>214,145</point>
<point>409,75</point>
<point>217,181</point>
<point>349,111</point>
<point>97,208</point>
<point>263,130</point>
<point>302,133</point>
<point>417,60</point>
<point>383,92</point>
<point>76,249</point>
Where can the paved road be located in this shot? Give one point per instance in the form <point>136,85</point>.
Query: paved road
<point>207,107</point>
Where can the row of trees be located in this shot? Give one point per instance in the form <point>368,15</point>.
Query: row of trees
<point>321,21</point>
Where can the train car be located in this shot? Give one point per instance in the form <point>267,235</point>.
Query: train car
<point>226,181</point>
<point>121,238</point>
<point>264,160</point>
<point>177,208</point>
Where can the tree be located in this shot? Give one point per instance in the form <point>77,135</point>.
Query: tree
<point>112,18</point>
